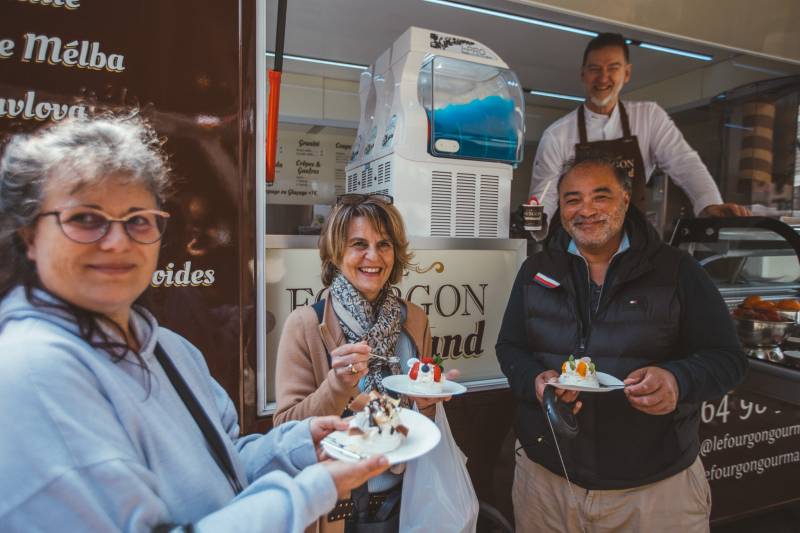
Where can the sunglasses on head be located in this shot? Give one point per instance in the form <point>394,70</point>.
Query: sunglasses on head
<point>358,198</point>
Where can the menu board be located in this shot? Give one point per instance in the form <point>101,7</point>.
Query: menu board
<point>309,168</point>
<point>34,48</point>
<point>179,64</point>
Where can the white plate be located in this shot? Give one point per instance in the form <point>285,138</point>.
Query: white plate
<point>607,383</point>
<point>402,383</point>
<point>423,436</point>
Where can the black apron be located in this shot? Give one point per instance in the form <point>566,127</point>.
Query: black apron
<point>625,152</point>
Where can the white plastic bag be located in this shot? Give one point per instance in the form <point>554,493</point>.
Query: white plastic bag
<point>437,492</point>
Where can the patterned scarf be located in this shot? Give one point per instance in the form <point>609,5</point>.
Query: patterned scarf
<point>378,323</point>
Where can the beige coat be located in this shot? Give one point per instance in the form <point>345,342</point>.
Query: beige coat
<point>305,384</point>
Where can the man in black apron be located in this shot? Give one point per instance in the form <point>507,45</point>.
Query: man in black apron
<point>625,152</point>
<point>652,140</point>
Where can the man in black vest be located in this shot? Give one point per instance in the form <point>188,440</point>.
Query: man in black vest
<point>607,287</point>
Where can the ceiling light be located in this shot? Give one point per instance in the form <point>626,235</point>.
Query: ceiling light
<point>675,51</point>
<point>557,96</point>
<point>321,61</point>
<point>759,69</point>
<point>562,27</point>
<point>510,16</point>
<point>737,126</point>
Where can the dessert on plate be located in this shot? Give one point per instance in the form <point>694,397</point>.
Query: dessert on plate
<point>376,426</point>
<point>580,372</point>
<point>426,375</point>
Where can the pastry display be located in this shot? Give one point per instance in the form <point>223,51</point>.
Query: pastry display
<point>426,375</point>
<point>788,305</point>
<point>755,308</point>
<point>580,372</point>
<point>376,426</point>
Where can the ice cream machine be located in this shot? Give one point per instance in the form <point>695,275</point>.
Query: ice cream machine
<point>441,128</point>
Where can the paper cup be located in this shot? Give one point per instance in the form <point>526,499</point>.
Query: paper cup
<point>532,216</point>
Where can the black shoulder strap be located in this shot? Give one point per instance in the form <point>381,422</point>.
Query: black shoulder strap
<point>212,436</point>
<point>582,137</point>
<point>623,117</point>
<point>319,308</point>
<point>170,528</point>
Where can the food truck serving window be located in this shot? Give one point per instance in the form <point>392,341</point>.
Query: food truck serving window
<point>474,110</point>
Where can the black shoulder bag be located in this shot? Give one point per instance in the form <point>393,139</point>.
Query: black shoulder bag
<point>220,453</point>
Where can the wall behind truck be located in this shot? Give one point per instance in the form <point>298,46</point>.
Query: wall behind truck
<point>188,66</point>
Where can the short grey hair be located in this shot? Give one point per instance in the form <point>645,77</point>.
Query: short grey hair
<point>596,159</point>
<point>71,154</point>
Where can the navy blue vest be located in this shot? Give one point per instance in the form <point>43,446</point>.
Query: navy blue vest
<point>635,325</point>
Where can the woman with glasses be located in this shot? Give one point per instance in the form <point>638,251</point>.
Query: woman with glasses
<point>348,342</point>
<point>110,422</point>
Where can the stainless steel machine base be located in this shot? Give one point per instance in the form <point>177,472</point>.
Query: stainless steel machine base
<point>766,353</point>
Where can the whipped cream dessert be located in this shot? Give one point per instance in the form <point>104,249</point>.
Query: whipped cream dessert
<point>376,426</point>
<point>426,375</point>
<point>580,372</point>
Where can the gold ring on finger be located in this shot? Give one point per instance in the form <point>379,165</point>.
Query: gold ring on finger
<point>352,369</point>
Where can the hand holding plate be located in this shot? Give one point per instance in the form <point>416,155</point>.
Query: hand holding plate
<point>321,427</point>
<point>424,403</point>
<point>347,476</point>
<point>568,396</point>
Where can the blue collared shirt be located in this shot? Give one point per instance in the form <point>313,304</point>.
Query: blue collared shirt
<point>596,290</point>
<point>624,244</point>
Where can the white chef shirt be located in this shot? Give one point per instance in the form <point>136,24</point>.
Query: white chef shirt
<point>660,142</point>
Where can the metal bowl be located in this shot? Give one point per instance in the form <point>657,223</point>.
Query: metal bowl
<point>794,316</point>
<point>754,333</point>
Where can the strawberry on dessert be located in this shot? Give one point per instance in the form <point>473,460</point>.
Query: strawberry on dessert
<point>426,374</point>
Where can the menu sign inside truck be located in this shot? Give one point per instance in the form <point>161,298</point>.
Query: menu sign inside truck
<point>309,168</point>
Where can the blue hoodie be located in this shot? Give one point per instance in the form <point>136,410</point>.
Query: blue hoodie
<point>87,444</point>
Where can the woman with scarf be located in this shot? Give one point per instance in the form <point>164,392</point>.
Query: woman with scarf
<point>349,341</point>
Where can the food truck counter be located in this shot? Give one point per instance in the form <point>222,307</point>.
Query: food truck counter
<point>749,443</point>
<point>774,381</point>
